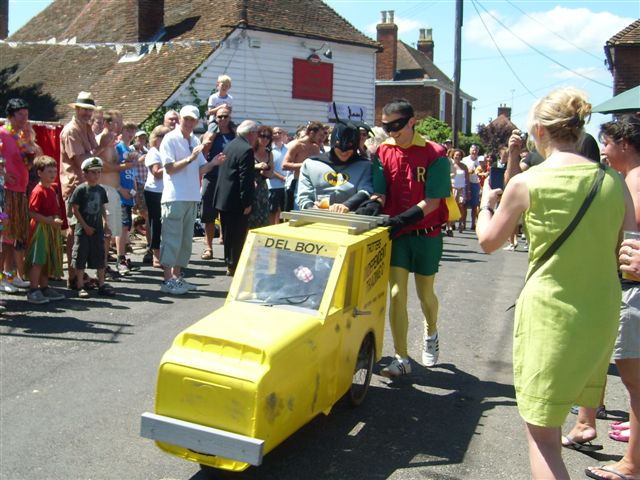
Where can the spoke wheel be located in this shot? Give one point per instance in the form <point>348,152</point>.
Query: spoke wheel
<point>363,370</point>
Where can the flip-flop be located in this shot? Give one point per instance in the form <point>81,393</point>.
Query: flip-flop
<point>207,254</point>
<point>591,474</point>
<point>580,446</point>
<point>620,425</point>
<point>620,435</point>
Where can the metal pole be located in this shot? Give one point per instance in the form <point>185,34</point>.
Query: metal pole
<point>457,117</point>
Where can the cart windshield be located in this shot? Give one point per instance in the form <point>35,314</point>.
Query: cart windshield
<point>283,276</point>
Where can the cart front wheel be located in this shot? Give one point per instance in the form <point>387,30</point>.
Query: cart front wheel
<point>363,371</point>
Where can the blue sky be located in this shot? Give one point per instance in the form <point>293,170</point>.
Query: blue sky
<point>564,44</point>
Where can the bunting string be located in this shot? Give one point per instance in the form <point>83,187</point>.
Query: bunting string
<point>119,47</point>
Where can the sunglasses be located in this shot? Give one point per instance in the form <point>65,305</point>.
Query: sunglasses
<point>396,125</point>
<point>264,135</point>
<point>221,117</point>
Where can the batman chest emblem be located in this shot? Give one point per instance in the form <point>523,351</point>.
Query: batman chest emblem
<point>336,179</point>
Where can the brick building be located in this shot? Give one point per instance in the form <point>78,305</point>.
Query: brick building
<point>623,58</point>
<point>404,71</point>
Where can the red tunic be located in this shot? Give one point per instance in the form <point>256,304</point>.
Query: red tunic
<point>406,176</point>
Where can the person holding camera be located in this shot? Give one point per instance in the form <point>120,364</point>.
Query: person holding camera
<point>563,333</point>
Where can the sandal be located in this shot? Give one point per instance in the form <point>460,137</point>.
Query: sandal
<point>620,425</point>
<point>620,435</point>
<point>82,293</point>
<point>207,254</point>
<point>106,291</point>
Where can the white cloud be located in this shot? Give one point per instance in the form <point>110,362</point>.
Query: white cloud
<point>404,25</point>
<point>580,26</point>
<point>594,73</point>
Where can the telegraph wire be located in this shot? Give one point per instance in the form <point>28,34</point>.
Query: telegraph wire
<point>473,2</point>
<point>551,31</point>
<point>534,48</point>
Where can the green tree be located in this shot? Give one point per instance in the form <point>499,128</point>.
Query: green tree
<point>434,129</point>
<point>465,142</point>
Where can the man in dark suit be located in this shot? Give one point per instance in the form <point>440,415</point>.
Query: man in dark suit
<point>234,191</point>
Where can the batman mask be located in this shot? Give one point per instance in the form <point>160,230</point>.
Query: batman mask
<point>345,136</point>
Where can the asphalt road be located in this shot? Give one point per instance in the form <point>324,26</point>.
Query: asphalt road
<point>77,374</point>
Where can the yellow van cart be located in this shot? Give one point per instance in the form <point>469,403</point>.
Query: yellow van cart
<point>301,327</point>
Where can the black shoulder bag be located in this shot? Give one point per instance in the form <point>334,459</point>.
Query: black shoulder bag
<point>553,248</point>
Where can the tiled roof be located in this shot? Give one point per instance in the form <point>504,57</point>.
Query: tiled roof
<point>111,20</point>
<point>629,35</point>
<point>415,65</point>
<point>138,88</point>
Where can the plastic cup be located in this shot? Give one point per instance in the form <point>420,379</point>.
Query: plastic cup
<point>629,235</point>
<point>322,201</point>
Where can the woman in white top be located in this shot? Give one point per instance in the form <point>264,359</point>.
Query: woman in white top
<point>460,184</point>
<point>153,189</point>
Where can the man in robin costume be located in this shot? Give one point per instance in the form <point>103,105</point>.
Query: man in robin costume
<point>413,175</point>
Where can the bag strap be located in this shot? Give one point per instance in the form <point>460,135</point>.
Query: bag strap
<point>595,186</point>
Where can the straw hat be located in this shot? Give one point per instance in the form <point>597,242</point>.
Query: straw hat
<point>85,100</point>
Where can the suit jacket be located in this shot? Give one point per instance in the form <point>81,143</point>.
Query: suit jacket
<point>235,188</point>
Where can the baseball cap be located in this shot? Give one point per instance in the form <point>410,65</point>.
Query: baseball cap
<point>91,163</point>
<point>190,111</point>
<point>140,132</point>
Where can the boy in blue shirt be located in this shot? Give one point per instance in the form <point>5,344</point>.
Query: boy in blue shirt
<point>127,182</point>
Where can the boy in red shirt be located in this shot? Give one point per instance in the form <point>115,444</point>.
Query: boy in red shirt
<point>44,253</point>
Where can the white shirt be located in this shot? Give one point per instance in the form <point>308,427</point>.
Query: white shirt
<point>153,184</point>
<point>215,100</point>
<point>183,185</point>
<point>471,166</point>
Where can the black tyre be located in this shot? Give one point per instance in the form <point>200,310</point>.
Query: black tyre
<point>363,370</point>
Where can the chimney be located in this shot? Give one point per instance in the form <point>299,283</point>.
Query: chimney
<point>425,42</point>
<point>150,18</point>
<point>387,60</point>
<point>4,19</point>
<point>504,110</point>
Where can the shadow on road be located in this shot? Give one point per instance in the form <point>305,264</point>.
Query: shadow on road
<point>408,424</point>
<point>50,328</point>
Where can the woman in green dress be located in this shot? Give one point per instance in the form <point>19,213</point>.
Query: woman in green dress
<point>566,317</point>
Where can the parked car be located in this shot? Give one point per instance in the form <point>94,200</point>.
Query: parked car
<point>301,327</point>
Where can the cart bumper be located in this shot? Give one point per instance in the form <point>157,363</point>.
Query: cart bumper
<point>201,439</point>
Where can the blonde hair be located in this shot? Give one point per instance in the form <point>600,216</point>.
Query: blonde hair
<point>224,79</point>
<point>159,131</point>
<point>562,113</point>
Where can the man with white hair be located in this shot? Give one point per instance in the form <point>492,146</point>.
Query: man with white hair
<point>235,190</point>
<point>171,119</point>
<point>184,164</point>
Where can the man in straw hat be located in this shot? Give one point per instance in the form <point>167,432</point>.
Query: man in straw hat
<point>77,143</point>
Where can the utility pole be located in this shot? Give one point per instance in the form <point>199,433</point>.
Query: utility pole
<point>457,111</point>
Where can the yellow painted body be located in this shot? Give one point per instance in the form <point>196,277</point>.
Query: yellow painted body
<point>266,363</point>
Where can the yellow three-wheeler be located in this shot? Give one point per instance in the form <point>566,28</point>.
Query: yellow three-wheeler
<point>301,327</point>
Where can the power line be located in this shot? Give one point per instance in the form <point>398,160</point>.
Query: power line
<point>419,7</point>
<point>551,31</point>
<point>534,48</point>
<point>473,2</point>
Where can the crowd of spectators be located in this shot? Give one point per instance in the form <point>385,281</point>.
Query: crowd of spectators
<point>116,180</point>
